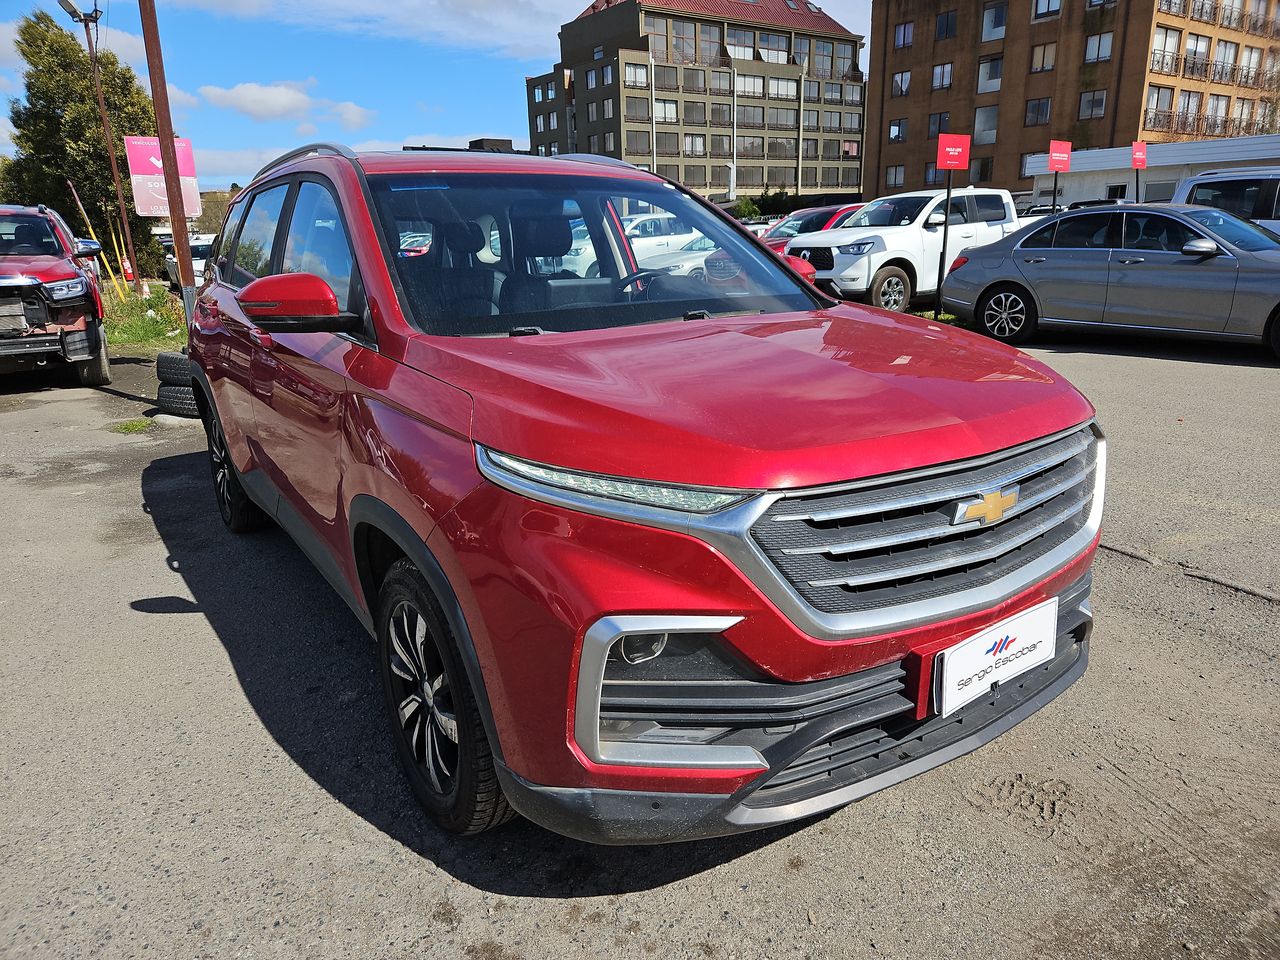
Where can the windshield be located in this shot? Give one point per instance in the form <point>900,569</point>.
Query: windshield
<point>806,221</point>
<point>27,236</point>
<point>550,253</point>
<point>889,212</point>
<point>1239,233</point>
<point>200,251</point>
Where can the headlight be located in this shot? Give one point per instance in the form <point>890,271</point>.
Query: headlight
<point>66,289</point>
<point>525,477</point>
<point>861,248</point>
<point>576,252</point>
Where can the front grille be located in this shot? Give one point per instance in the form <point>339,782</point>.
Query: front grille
<point>821,258</point>
<point>13,318</point>
<point>892,542</point>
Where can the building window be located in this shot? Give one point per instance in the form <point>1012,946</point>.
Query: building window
<point>637,108</point>
<point>741,43</point>
<point>720,176</point>
<point>939,123</point>
<point>655,28</point>
<point>708,42</point>
<point>809,149</point>
<point>894,176</point>
<point>666,78</point>
<point>1097,48</point>
<point>593,144</point>
<point>695,112</point>
<point>751,117</point>
<point>782,176</point>
<point>898,130</point>
<point>783,89</point>
<point>831,176</point>
<point>830,149</point>
<point>636,75</point>
<point>665,111</point>
<point>695,80</point>
<point>555,149</point>
<point>695,145</point>
<point>774,47</point>
<point>848,149</point>
<point>684,45</point>
<point>751,176</point>
<point>980,170</point>
<point>638,142</point>
<point>1043,56</point>
<point>608,109</point>
<point>750,86</point>
<point>610,142</point>
<point>932,175</point>
<point>669,170</point>
<point>591,79</point>
<point>831,91</point>
<point>592,109</point>
<point>1093,104</point>
<point>903,34</point>
<point>901,84</point>
<point>695,175</point>
<point>984,124</point>
<point>1045,8</point>
<point>946,26</point>
<point>606,74</point>
<point>721,81</point>
<point>852,122</point>
<point>1116,191</point>
<point>537,94</point>
<point>721,114</point>
<point>990,70</point>
<point>831,121</point>
<point>782,148</point>
<point>721,146</point>
<point>540,123</point>
<point>551,91</point>
<point>781,117</point>
<point>667,144</point>
<point>553,121</point>
<point>751,147</point>
<point>1037,112</point>
<point>994,17</point>
<point>597,53</point>
<point>853,93</point>
<point>941,76</point>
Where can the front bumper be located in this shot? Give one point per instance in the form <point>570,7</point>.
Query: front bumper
<point>826,762</point>
<point>68,344</point>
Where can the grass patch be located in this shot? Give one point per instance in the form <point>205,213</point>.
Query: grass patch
<point>941,318</point>
<point>136,425</point>
<point>156,321</point>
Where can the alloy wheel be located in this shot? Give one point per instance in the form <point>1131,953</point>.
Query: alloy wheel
<point>220,464</point>
<point>892,294</point>
<point>425,712</point>
<point>1005,315</point>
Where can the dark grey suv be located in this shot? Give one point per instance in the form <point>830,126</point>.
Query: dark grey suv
<point>1160,268</point>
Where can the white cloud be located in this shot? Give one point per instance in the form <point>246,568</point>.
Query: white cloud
<point>307,129</point>
<point>6,136</point>
<point>128,47</point>
<point>233,164</point>
<point>274,101</point>
<point>8,45</point>
<point>352,116</point>
<point>7,83</point>
<point>181,99</point>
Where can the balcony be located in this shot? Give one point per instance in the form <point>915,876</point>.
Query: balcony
<point>1250,77</point>
<point>831,128</point>
<point>1233,18</point>
<point>1206,11</point>
<point>667,152</point>
<point>1166,63</point>
<point>684,58</point>
<point>1222,72</point>
<point>1197,68</point>
<point>751,124</point>
<point>1260,25</point>
<point>699,89</point>
<point>634,83</point>
<point>667,87</point>
<point>1177,8</point>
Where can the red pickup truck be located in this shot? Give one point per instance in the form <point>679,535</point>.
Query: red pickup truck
<point>647,556</point>
<point>50,306</point>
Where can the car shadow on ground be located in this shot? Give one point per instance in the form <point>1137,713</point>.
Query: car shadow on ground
<point>1160,348</point>
<point>308,669</point>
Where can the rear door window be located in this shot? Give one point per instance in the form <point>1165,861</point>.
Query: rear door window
<point>256,243</point>
<point>990,207</point>
<point>317,241</point>
<point>1041,239</point>
<point>1088,232</point>
<point>1242,197</point>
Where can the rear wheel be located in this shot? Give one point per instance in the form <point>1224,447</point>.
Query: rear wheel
<point>435,722</point>
<point>890,289</point>
<point>1007,314</point>
<point>96,371</point>
<point>239,513</point>
<point>1275,334</point>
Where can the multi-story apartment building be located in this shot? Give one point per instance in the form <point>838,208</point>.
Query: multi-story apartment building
<point>728,97</point>
<point>1099,73</point>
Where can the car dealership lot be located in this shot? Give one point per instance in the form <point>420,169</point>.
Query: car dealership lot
<point>195,760</point>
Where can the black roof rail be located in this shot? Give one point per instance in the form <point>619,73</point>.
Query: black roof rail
<point>426,147</point>
<point>596,158</point>
<point>330,149</point>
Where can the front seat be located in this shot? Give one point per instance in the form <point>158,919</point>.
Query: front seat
<point>28,240</point>
<point>467,289</point>
<point>536,238</point>
<point>1152,237</point>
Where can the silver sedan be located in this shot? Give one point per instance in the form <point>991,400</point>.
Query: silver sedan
<point>1161,268</point>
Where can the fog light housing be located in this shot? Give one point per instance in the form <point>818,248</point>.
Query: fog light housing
<point>641,647</point>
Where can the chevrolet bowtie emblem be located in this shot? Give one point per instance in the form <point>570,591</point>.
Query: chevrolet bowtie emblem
<point>988,508</point>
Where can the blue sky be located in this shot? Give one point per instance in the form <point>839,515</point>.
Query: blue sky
<point>251,78</point>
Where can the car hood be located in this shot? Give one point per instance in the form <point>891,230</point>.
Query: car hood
<point>844,235</point>
<point>43,268</point>
<point>789,401</point>
<point>673,259</point>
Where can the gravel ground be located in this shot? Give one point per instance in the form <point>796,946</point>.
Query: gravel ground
<point>195,764</point>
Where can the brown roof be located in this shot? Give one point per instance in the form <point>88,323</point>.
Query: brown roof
<point>773,13</point>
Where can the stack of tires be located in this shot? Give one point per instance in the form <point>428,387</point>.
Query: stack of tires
<point>175,394</point>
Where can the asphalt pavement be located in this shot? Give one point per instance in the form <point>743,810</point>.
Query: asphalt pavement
<point>195,764</point>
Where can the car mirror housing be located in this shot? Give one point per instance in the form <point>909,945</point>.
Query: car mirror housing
<point>935,219</point>
<point>86,248</point>
<point>295,303</point>
<point>1200,247</point>
<point>803,267</point>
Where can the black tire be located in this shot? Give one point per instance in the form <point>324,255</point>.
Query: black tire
<point>890,289</point>
<point>239,513</point>
<point>96,371</point>
<point>177,400</point>
<point>174,368</point>
<point>593,271</point>
<point>1007,313</point>
<point>436,726</point>
<point>1275,334</point>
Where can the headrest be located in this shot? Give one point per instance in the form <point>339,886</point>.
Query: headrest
<point>28,234</point>
<point>543,236</point>
<point>464,237</point>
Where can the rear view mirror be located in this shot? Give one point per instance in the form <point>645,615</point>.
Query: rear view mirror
<point>295,303</point>
<point>1200,247</point>
<point>935,219</point>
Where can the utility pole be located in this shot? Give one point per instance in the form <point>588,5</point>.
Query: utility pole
<point>91,20</point>
<point>168,154</point>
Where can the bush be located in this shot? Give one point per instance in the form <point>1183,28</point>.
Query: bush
<point>155,320</point>
<point>745,209</point>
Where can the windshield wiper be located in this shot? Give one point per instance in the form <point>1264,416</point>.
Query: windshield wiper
<point>525,331</point>
<point>707,314</point>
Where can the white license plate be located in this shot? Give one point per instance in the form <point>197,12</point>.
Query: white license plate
<point>967,670</point>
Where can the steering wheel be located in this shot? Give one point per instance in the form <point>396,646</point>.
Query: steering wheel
<point>631,278</point>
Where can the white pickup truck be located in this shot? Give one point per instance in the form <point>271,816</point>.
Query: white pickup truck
<point>888,252</point>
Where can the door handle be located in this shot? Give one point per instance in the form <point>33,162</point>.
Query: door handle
<point>1133,260</point>
<point>967,236</point>
<point>1033,259</point>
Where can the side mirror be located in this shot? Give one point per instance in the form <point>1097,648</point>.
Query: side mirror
<point>935,219</point>
<point>1200,247</point>
<point>86,248</point>
<point>295,303</point>
<point>803,267</point>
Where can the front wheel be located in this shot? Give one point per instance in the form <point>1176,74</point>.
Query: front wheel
<point>96,371</point>
<point>435,722</point>
<point>1007,314</point>
<point>239,513</point>
<point>890,289</point>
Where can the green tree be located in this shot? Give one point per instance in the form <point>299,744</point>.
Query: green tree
<point>57,133</point>
<point>745,209</point>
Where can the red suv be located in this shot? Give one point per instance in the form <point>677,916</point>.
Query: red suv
<point>647,556</point>
<point>809,220</point>
<point>50,307</point>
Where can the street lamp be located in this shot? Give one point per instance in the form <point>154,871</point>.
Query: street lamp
<point>91,19</point>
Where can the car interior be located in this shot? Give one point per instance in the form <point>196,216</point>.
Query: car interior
<point>27,237</point>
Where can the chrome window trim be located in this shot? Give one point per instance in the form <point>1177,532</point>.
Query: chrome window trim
<point>597,641</point>
<point>729,531</point>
